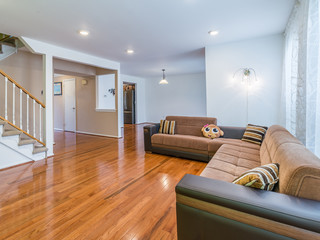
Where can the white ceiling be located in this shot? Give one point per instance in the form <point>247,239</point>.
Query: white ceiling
<point>167,34</point>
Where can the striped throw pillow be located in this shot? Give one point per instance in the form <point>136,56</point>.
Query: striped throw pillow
<point>254,134</point>
<point>167,127</point>
<point>264,177</point>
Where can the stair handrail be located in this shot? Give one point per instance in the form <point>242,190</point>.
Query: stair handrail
<point>16,127</point>
<point>22,88</point>
<point>34,99</point>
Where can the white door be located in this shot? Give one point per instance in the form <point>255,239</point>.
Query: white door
<point>69,92</point>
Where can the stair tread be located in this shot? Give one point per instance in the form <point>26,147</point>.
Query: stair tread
<point>25,137</point>
<point>38,145</point>
<point>8,127</point>
<point>11,133</point>
<point>39,149</point>
<point>26,141</point>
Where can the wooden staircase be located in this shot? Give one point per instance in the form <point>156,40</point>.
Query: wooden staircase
<point>8,130</point>
<point>21,124</point>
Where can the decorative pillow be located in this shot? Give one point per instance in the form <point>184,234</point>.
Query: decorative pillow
<point>254,134</point>
<point>211,131</point>
<point>167,127</point>
<point>264,177</point>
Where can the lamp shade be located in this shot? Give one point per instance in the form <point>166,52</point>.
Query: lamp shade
<point>163,81</point>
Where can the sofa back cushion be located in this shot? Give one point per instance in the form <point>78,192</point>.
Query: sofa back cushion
<point>299,173</point>
<point>190,125</point>
<point>275,137</point>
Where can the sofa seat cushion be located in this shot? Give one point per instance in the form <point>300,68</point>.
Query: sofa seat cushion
<point>180,141</point>
<point>231,161</point>
<point>216,143</point>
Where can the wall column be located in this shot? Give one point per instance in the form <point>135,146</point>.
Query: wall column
<point>119,104</point>
<point>48,96</point>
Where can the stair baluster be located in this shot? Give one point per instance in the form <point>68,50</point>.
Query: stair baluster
<point>40,121</point>
<point>21,108</point>
<point>34,118</point>
<point>6,98</point>
<point>13,104</point>
<point>28,130</point>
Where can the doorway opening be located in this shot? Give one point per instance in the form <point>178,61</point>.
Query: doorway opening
<point>69,86</point>
<point>129,103</point>
<point>65,104</point>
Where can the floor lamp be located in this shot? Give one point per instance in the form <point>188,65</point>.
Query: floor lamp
<point>248,77</point>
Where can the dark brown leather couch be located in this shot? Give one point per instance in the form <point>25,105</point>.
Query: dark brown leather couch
<point>213,209</point>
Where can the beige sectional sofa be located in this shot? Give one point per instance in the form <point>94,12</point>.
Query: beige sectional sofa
<point>299,168</point>
<point>211,207</point>
<point>188,141</point>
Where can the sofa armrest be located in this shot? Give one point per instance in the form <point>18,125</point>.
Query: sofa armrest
<point>148,131</point>
<point>272,212</point>
<point>233,132</point>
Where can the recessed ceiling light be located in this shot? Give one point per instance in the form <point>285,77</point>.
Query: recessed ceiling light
<point>83,32</point>
<point>213,33</point>
<point>129,51</point>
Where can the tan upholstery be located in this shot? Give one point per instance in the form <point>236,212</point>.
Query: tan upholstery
<point>299,168</point>
<point>299,172</point>
<point>182,141</point>
<point>216,143</point>
<point>274,138</point>
<point>231,161</point>
<point>190,125</point>
<point>189,143</point>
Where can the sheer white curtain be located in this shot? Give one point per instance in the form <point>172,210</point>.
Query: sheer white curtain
<point>302,73</point>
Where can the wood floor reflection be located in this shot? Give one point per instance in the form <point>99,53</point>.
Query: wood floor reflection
<point>93,188</point>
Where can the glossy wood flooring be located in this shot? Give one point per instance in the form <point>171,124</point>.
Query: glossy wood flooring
<point>93,188</point>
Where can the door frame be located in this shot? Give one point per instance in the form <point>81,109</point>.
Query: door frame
<point>75,104</point>
<point>135,101</point>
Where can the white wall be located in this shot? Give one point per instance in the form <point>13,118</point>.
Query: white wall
<point>105,99</point>
<point>185,95</point>
<point>226,97</point>
<point>140,97</point>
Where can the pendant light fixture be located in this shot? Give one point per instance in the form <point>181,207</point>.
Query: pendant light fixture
<point>163,80</point>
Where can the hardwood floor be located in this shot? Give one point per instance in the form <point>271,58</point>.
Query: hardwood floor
<point>93,188</point>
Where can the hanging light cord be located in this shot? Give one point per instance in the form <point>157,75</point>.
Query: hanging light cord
<point>163,75</point>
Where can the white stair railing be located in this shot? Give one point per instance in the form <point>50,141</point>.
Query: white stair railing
<point>11,109</point>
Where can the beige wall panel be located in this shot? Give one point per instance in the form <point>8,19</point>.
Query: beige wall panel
<point>88,119</point>
<point>72,68</point>
<point>26,69</point>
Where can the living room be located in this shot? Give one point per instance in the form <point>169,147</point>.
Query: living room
<point>226,63</point>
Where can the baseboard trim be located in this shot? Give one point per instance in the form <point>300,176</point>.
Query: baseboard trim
<point>58,129</point>
<point>97,134</point>
<point>18,165</point>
